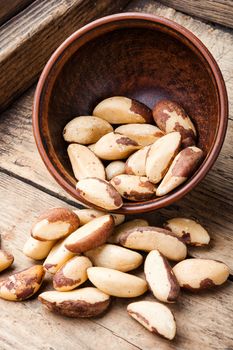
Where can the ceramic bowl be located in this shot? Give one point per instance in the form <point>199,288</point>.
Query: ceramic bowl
<point>134,55</point>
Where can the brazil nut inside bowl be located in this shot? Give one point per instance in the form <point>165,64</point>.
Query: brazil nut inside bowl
<point>141,57</point>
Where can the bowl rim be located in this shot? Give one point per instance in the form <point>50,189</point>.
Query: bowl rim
<point>222,127</point>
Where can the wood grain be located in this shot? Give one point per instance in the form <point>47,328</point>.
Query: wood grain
<point>198,323</point>
<point>22,322</point>
<point>219,11</point>
<point>10,8</point>
<point>28,41</point>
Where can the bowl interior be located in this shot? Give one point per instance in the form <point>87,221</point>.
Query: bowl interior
<point>134,58</point>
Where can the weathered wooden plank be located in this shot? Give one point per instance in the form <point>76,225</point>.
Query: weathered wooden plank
<point>27,42</point>
<point>199,325</point>
<point>10,8</point>
<point>17,143</point>
<point>219,11</point>
<point>27,326</point>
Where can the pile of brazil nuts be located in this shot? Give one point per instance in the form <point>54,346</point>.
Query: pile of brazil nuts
<point>88,244</point>
<point>148,155</point>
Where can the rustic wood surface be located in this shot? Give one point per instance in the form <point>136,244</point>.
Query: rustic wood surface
<point>219,11</point>
<point>27,42</point>
<point>10,8</point>
<point>204,321</point>
<point>199,326</point>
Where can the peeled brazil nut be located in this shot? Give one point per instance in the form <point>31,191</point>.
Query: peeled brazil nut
<point>198,274</point>
<point>57,257</point>
<point>143,134</point>
<point>54,224</point>
<point>136,163</point>
<point>71,274</point>
<point>114,257</point>
<point>86,215</point>
<point>115,146</point>
<point>37,250</point>
<point>114,168</point>
<point>6,260</point>
<point>22,285</point>
<point>84,302</point>
<point>84,162</point>
<point>160,277</point>
<point>122,110</point>
<point>190,231</point>
<point>155,317</point>
<point>125,227</point>
<point>170,116</point>
<point>134,188</point>
<point>182,167</point>
<point>149,238</point>
<point>160,156</point>
<point>100,193</point>
<point>116,283</point>
<point>91,235</point>
<point>86,129</point>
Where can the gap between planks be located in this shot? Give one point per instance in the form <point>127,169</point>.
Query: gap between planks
<point>10,8</point>
<point>40,187</point>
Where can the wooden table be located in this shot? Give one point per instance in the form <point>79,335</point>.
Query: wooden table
<point>204,321</point>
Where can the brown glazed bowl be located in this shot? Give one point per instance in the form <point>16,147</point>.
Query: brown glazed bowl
<point>134,55</point>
